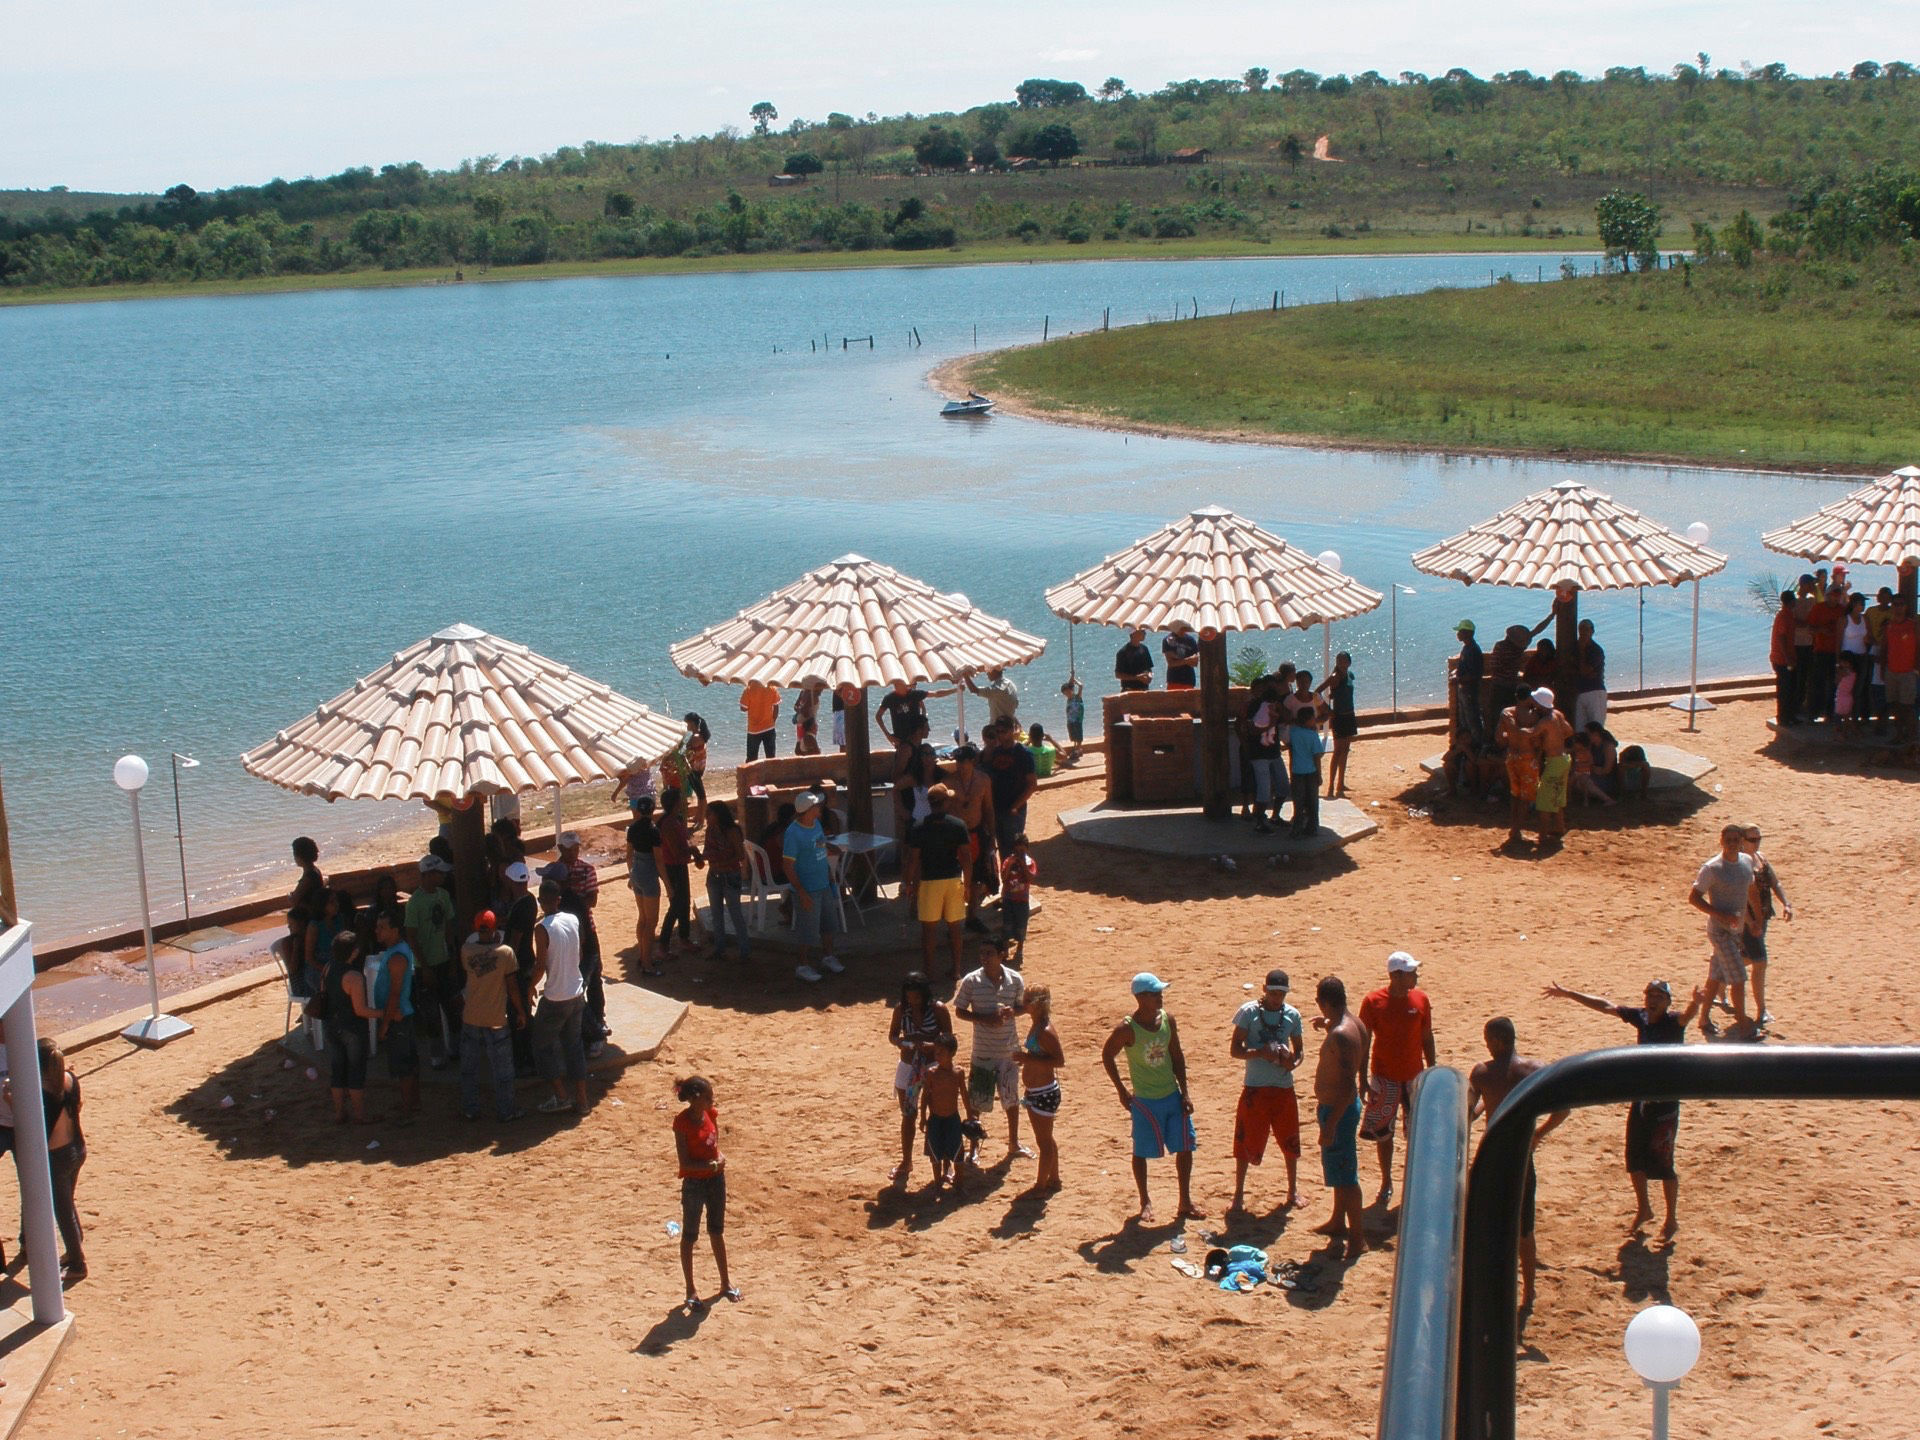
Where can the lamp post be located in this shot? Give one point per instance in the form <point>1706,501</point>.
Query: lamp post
<point>130,774</point>
<point>182,762</point>
<point>1330,559</point>
<point>1394,630</point>
<point>1662,1344</point>
<point>1697,532</point>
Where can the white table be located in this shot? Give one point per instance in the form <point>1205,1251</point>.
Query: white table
<point>863,851</point>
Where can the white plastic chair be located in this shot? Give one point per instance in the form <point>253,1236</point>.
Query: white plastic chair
<point>764,886</point>
<point>836,867</point>
<point>316,1029</point>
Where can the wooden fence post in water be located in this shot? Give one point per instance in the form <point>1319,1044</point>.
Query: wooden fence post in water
<point>1045,321</point>
<point>1276,299</point>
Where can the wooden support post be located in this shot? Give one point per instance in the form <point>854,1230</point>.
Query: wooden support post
<point>1566,657</point>
<point>859,766</point>
<point>1214,796</point>
<point>9,901</point>
<point>468,836</point>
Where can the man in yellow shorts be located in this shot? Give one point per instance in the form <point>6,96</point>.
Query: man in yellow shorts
<point>937,852</point>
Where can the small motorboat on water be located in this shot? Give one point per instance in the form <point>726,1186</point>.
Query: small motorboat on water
<point>974,404</point>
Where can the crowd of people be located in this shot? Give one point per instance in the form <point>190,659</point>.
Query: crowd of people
<point>1509,733</point>
<point>1839,659</point>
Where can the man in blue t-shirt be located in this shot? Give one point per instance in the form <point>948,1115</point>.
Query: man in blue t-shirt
<point>804,856</point>
<point>1011,772</point>
<point>1267,1035</point>
<point>1182,649</point>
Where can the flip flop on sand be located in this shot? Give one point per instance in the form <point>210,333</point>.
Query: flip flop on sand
<point>1189,1269</point>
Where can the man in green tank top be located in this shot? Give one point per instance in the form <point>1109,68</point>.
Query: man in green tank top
<point>1159,1102</point>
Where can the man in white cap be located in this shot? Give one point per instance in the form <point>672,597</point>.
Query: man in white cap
<point>804,856</point>
<point>520,913</point>
<point>580,886</point>
<point>430,934</point>
<point>1399,1024</point>
<point>1160,1103</point>
<point>1551,734</point>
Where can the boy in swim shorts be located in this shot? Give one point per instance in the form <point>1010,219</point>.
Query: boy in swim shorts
<point>940,1113</point>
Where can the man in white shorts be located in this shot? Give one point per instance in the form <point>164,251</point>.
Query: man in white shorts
<point>990,999</point>
<point>1720,892</point>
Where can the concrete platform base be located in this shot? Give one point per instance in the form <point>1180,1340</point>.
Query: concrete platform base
<point>27,1355</point>
<point>889,928</point>
<point>1829,739</point>
<point>641,1021</point>
<point>1184,831</point>
<point>1671,767</point>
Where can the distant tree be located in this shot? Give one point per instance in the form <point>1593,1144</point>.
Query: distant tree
<point>1299,82</point>
<point>1444,98</point>
<point>763,115</point>
<point>1412,77</point>
<point>1256,78</point>
<point>619,205</point>
<point>1741,238</point>
<point>1371,80</point>
<point>1625,75</point>
<point>1292,151</point>
<point>1052,143</point>
<point>838,121</point>
<point>1775,73</point>
<point>1113,88</point>
<point>490,205</point>
<point>1566,82</point>
<point>1686,76</point>
<point>940,149</point>
<point>1629,226</point>
<point>986,152</point>
<point>1898,70</point>
<point>803,162</point>
<point>177,201</point>
<point>1336,85</point>
<point>1476,92</point>
<point>992,119</point>
<point>1866,70</point>
<point>1048,94</point>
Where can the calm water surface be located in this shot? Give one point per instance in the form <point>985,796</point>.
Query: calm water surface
<point>219,512</point>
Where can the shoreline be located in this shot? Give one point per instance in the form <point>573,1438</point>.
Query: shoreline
<point>953,379</point>
<point>792,262</point>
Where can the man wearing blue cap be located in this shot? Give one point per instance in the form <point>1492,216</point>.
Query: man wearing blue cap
<point>1160,1103</point>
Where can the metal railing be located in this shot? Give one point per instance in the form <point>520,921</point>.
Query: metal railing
<point>1418,1396</point>
<point>1488,1264</point>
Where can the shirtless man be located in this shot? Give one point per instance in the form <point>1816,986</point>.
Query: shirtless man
<point>1518,737</point>
<point>1550,736</point>
<point>1490,1084</point>
<point>973,802</point>
<point>1336,1093</point>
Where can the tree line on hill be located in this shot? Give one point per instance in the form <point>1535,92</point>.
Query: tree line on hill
<point>1410,142</point>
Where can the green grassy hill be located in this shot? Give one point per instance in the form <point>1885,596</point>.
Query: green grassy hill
<point>1801,365</point>
<point>1412,161</point>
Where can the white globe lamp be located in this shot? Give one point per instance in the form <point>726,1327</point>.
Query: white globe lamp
<point>130,774</point>
<point>1662,1345</point>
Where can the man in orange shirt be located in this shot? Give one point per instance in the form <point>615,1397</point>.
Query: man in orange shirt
<point>762,704</point>
<point>1399,1022</point>
<point>1901,667</point>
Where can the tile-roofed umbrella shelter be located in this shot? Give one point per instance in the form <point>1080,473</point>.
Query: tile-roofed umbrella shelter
<point>1569,538</point>
<point>1878,524</point>
<point>1217,572</point>
<point>459,716</point>
<point>855,622</point>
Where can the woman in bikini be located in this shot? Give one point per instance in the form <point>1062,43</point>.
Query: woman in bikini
<point>1040,1060</point>
<point>918,1021</point>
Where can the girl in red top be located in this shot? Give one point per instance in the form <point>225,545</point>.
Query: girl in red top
<point>703,1182</point>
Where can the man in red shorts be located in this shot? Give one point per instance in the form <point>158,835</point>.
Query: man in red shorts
<point>1399,1019</point>
<point>1267,1035</point>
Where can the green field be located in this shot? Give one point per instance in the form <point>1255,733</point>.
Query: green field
<point>1793,365</point>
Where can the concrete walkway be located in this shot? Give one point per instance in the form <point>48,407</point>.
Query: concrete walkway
<point>1183,831</point>
<point>1670,767</point>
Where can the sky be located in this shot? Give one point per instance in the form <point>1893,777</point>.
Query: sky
<point>134,95</point>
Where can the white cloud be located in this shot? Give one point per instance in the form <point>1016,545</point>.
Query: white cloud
<point>1068,57</point>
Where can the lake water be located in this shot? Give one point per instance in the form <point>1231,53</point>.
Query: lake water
<point>219,512</point>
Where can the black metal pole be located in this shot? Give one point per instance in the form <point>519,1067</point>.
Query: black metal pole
<point>1488,1325</point>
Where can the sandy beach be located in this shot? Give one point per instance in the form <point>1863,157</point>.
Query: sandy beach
<point>268,1272</point>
